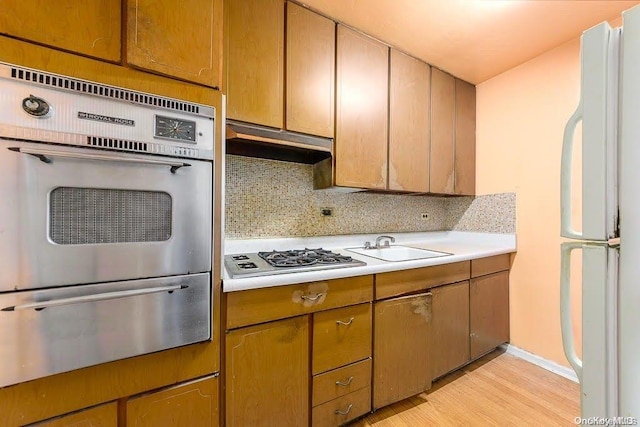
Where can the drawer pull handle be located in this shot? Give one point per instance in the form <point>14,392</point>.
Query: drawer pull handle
<point>345,412</point>
<point>312,298</point>
<point>346,383</point>
<point>347,323</point>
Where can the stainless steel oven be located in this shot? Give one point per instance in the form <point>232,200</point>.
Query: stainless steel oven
<point>105,223</point>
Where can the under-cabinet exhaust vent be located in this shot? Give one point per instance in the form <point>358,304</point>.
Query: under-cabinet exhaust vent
<point>105,91</point>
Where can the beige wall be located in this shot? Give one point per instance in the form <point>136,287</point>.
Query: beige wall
<point>521,116</point>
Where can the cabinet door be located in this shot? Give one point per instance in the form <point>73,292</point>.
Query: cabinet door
<point>192,404</point>
<point>450,328</point>
<point>99,416</point>
<point>91,27</point>
<point>465,152</point>
<point>489,308</point>
<point>401,348</point>
<point>409,86</point>
<point>441,170</point>
<point>255,61</point>
<point>267,374</point>
<point>311,41</point>
<point>180,40</point>
<point>361,111</point>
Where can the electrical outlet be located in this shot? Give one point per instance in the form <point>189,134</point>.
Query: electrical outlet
<point>424,215</point>
<point>326,211</point>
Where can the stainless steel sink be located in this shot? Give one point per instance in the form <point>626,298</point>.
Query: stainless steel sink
<point>398,253</point>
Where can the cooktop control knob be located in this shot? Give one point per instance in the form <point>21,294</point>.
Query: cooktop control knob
<point>35,106</point>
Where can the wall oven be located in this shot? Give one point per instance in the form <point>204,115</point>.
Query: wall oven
<point>105,223</point>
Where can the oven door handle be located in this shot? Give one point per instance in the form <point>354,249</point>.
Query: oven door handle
<point>93,298</point>
<point>45,156</point>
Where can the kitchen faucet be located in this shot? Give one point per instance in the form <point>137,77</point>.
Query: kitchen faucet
<point>367,245</point>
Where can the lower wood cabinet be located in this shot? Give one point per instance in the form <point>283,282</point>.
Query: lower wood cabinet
<point>341,336</point>
<point>489,312</point>
<point>192,404</point>
<point>267,374</point>
<point>341,410</point>
<point>401,348</point>
<point>450,328</point>
<point>99,416</point>
<point>338,382</point>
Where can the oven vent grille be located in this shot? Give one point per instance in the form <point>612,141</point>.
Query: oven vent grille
<point>105,91</point>
<point>118,144</point>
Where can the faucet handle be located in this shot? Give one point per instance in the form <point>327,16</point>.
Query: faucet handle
<point>367,245</point>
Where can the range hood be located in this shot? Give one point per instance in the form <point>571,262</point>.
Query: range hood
<point>246,139</point>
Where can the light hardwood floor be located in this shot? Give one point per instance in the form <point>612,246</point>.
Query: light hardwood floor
<point>497,390</point>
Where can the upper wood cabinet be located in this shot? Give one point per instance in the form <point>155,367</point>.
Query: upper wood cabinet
<point>361,111</point>
<point>105,415</point>
<point>310,76</point>
<point>409,136</point>
<point>180,40</point>
<point>442,132</point>
<point>192,404</point>
<point>90,28</point>
<point>401,348</point>
<point>267,374</point>
<point>255,61</point>
<point>465,155</point>
<point>453,135</point>
<point>450,328</point>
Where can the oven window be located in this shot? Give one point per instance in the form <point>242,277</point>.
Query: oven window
<point>96,215</point>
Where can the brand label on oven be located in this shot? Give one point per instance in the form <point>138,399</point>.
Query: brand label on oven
<point>106,119</point>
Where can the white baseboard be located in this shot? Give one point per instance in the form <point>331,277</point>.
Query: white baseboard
<point>542,362</point>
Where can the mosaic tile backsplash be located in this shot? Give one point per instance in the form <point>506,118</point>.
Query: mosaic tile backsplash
<point>269,198</point>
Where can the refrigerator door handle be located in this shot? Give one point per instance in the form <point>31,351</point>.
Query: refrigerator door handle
<point>565,307</point>
<point>566,227</point>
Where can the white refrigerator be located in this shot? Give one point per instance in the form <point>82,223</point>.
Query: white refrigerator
<point>608,234</point>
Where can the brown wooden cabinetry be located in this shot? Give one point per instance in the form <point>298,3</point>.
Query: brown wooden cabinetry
<point>450,328</point>
<point>343,409</point>
<point>441,171</point>
<point>489,312</point>
<point>409,111</point>
<point>341,336</point>
<point>310,76</point>
<point>255,61</point>
<point>401,348</point>
<point>265,304</point>
<point>91,28</point>
<point>465,139</point>
<point>99,416</point>
<point>183,42</point>
<point>267,374</point>
<point>361,111</point>
<point>453,135</point>
<point>191,404</point>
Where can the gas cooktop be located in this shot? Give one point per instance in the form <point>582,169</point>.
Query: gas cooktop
<point>289,261</point>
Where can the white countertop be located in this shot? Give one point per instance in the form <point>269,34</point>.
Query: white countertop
<point>462,245</point>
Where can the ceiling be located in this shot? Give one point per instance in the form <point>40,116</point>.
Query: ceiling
<point>472,39</point>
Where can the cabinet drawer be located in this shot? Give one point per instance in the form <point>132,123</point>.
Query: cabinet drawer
<point>341,336</point>
<point>419,279</point>
<point>343,409</point>
<point>488,265</point>
<point>265,304</point>
<point>333,384</point>
<point>191,404</point>
<point>100,416</point>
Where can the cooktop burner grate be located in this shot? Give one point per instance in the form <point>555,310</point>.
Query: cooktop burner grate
<point>303,257</point>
